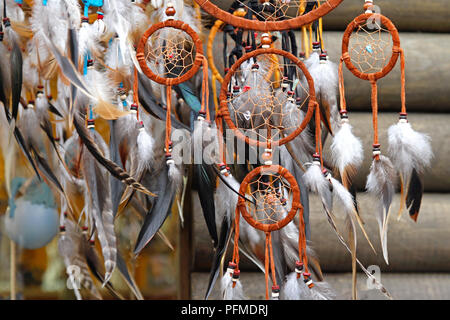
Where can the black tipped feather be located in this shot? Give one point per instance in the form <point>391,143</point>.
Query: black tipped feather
<point>45,168</point>
<point>160,208</point>
<point>16,78</point>
<point>414,196</point>
<point>206,195</point>
<point>53,110</point>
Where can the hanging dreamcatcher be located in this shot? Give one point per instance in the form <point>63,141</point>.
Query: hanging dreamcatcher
<point>170,53</point>
<point>370,50</point>
<point>268,15</point>
<point>266,111</point>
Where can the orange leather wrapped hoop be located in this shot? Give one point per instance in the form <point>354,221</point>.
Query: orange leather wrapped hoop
<point>177,24</point>
<point>395,47</point>
<point>257,25</point>
<point>224,103</point>
<point>296,205</point>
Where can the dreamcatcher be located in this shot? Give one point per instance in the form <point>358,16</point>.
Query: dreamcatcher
<point>169,53</point>
<point>263,111</point>
<point>268,15</point>
<point>370,50</point>
<point>227,31</point>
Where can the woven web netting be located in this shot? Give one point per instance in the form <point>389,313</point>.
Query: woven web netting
<point>265,97</point>
<point>272,10</point>
<point>170,52</point>
<point>270,193</point>
<point>370,47</point>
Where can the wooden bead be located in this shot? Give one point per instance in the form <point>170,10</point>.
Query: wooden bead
<point>266,41</point>
<point>170,11</point>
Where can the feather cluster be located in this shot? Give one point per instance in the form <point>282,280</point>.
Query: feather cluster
<point>411,153</point>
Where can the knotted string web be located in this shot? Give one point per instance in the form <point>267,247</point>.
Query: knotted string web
<point>272,10</point>
<point>262,100</point>
<point>270,194</point>
<point>170,52</point>
<point>370,46</point>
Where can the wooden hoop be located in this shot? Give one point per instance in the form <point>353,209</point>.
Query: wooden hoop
<point>395,47</point>
<point>224,104</point>
<point>296,205</point>
<point>176,24</point>
<point>257,25</point>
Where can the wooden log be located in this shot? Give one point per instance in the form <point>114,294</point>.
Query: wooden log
<point>413,247</point>
<point>426,74</point>
<point>407,15</point>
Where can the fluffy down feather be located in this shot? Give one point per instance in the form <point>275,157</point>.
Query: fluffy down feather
<point>317,183</point>
<point>295,289</point>
<point>347,152</point>
<point>408,148</point>
<point>325,76</point>
<point>228,292</point>
<point>145,144</point>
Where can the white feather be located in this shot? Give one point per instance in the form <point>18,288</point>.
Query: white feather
<point>346,149</point>
<point>325,76</point>
<point>174,175</point>
<point>343,196</point>
<point>408,148</point>
<point>145,144</point>
<point>228,292</point>
<point>88,39</point>
<point>315,180</point>
<point>295,289</point>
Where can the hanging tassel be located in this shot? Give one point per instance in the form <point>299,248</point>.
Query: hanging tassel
<point>173,172</point>
<point>231,287</point>
<point>411,153</point>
